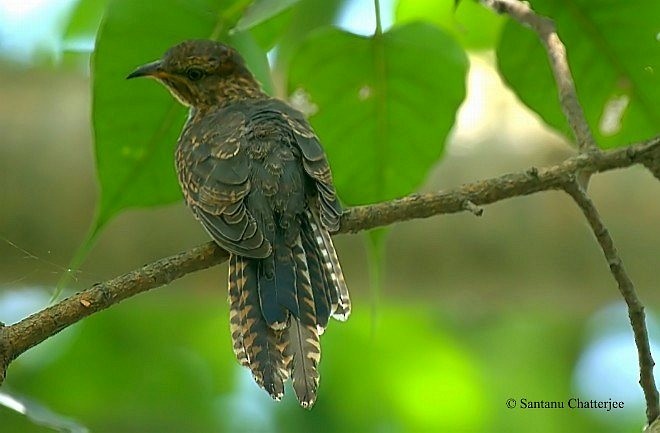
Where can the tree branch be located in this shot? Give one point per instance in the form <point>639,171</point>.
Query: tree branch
<point>571,176</point>
<point>545,28</point>
<point>17,338</point>
<point>627,289</point>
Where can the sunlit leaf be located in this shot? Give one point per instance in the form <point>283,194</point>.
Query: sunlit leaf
<point>473,25</point>
<point>85,19</point>
<point>401,372</point>
<point>614,54</point>
<point>385,104</point>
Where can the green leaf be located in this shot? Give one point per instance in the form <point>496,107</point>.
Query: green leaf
<point>136,123</point>
<point>262,10</point>
<point>473,25</point>
<point>85,19</point>
<point>385,104</point>
<point>614,54</point>
<point>307,16</point>
<point>270,32</point>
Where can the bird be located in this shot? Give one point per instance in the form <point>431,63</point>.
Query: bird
<point>254,173</point>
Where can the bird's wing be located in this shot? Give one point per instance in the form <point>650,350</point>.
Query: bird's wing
<point>214,170</point>
<point>315,164</point>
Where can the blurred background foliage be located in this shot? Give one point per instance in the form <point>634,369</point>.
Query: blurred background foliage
<point>471,311</point>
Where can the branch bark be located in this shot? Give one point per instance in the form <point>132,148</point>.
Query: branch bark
<point>545,29</point>
<point>627,289</point>
<point>17,338</point>
<point>572,176</point>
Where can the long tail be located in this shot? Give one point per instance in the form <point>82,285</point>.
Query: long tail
<point>280,305</point>
<point>303,349</point>
<point>333,275</point>
<point>256,345</point>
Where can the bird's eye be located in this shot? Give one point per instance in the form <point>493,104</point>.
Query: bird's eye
<point>194,74</point>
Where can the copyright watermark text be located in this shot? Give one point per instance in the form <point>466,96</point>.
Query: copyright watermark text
<point>571,403</point>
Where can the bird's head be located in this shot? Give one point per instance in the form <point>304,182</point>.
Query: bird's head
<point>202,73</point>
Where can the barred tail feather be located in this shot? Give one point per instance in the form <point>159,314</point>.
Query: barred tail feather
<point>303,350</point>
<point>236,283</point>
<point>332,268</point>
<point>280,305</point>
<point>262,343</point>
<point>320,288</point>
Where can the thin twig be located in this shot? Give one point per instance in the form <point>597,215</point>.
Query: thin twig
<point>653,164</point>
<point>17,338</point>
<point>471,207</point>
<point>545,28</point>
<point>627,289</point>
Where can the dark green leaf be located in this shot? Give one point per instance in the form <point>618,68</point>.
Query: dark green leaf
<point>262,10</point>
<point>385,104</point>
<point>614,55</point>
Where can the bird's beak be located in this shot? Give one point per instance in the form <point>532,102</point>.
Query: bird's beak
<point>153,69</point>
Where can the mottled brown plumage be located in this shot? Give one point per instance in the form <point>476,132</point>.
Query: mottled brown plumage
<point>254,174</point>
